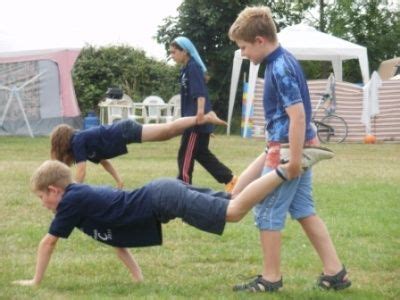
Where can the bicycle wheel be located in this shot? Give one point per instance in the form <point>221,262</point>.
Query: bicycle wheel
<point>332,129</point>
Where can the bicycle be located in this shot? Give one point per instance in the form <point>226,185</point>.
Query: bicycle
<point>331,128</point>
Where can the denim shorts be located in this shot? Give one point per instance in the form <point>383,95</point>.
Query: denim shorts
<point>200,207</point>
<point>131,131</point>
<point>294,197</point>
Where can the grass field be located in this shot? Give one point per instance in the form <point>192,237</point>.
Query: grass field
<point>357,194</point>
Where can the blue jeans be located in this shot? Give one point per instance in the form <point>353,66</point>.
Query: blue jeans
<point>294,196</point>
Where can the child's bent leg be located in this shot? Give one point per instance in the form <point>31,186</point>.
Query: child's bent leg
<point>251,195</point>
<point>252,172</point>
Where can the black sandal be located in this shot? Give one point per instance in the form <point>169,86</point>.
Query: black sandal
<point>336,282</point>
<point>259,284</point>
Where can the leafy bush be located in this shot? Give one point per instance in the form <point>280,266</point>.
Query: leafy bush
<point>97,69</point>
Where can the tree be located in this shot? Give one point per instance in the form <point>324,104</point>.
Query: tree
<point>370,23</point>
<point>206,23</point>
<point>97,69</point>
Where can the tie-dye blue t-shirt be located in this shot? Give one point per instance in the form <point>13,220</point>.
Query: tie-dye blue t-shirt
<point>284,85</point>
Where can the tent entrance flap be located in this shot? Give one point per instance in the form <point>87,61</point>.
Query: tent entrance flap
<point>36,92</point>
<point>14,95</point>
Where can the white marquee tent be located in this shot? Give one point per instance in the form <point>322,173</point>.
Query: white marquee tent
<point>305,43</point>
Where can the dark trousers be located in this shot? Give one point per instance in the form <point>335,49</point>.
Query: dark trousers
<point>194,146</point>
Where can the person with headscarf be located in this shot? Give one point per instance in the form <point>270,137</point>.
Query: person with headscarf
<point>195,102</point>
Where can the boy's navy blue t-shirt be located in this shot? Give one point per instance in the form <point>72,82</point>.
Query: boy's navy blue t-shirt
<point>98,143</point>
<point>111,216</point>
<point>284,85</point>
<point>193,85</point>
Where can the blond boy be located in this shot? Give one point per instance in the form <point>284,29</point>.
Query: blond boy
<point>124,219</point>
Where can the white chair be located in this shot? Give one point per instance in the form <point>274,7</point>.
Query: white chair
<point>115,114</point>
<point>137,112</point>
<point>173,109</point>
<point>112,110</point>
<point>153,105</point>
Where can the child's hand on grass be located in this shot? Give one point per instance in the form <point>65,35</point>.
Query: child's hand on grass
<point>25,282</point>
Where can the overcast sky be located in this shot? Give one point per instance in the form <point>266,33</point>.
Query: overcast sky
<point>45,24</point>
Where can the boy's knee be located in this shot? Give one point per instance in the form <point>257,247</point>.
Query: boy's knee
<point>234,215</point>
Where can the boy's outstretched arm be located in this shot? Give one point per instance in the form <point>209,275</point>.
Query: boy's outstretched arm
<point>110,169</point>
<point>45,250</point>
<point>130,262</point>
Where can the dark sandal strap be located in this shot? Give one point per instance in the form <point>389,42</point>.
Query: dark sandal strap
<point>259,285</point>
<point>279,172</point>
<point>337,281</point>
<point>268,286</point>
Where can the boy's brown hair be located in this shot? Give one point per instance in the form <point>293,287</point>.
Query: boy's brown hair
<point>60,139</point>
<point>251,22</point>
<point>51,172</point>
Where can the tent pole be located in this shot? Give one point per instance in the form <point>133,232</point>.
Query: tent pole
<point>237,63</point>
<point>7,105</point>
<point>23,113</point>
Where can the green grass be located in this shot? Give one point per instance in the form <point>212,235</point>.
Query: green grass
<point>357,194</point>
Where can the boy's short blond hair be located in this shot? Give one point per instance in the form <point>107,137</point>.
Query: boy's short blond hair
<point>51,172</point>
<point>251,22</point>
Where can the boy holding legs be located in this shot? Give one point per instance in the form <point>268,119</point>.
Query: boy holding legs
<point>125,219</point>
<point>287,109</point>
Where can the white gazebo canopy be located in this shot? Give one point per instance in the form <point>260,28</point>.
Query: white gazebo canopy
<point>305,43</point>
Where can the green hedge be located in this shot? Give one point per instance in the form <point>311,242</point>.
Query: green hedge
<point>97,69</point>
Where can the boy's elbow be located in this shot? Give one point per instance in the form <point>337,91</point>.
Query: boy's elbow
<point>300,116</point>
<point>296,112</point>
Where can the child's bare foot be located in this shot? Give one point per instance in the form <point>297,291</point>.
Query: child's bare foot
<point>212,118</point>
